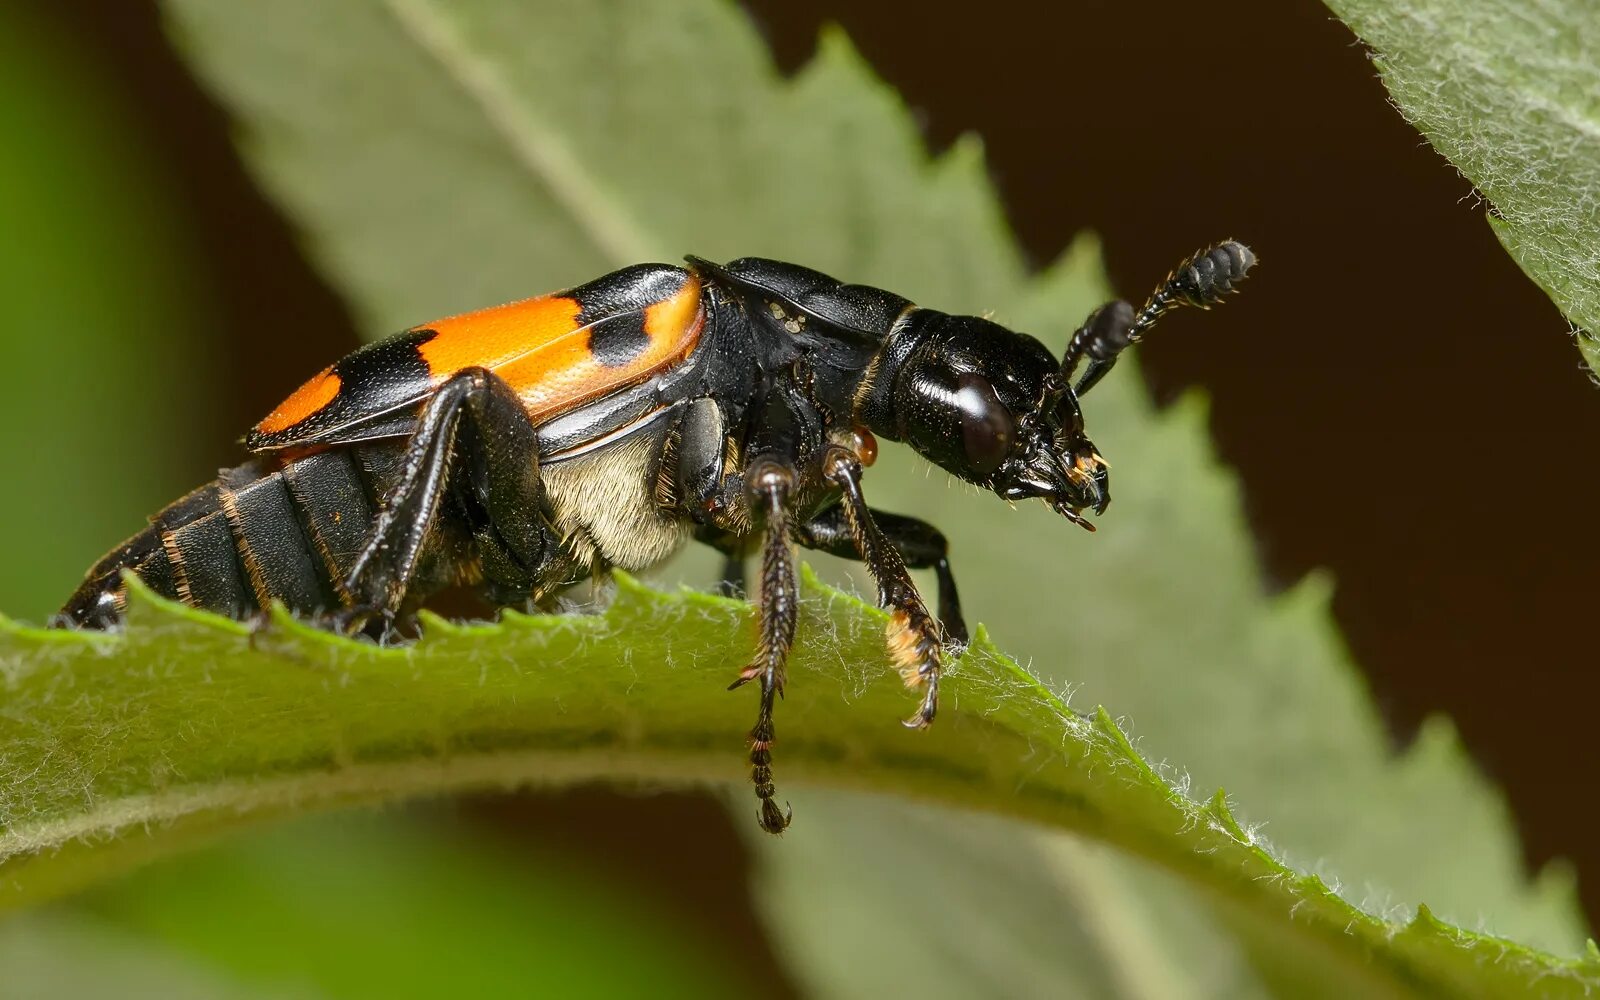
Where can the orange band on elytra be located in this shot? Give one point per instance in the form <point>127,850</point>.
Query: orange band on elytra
<point>305,401</point>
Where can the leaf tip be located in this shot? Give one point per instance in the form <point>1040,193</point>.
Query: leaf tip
<point>834,46</point>
<point>1425,921</point>
<point>147,609</point>
<point>1314,884</point>
<point>1107,726</point>
<point>633,598</point>
<point>436,624</point>
<point>982,643</point>
<point>1220,813</point>
<point>279,615</point>
<point>809,580</point>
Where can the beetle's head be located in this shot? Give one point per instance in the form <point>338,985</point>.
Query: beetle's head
<point>993,407</point>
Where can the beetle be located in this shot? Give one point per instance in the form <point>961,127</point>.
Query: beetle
<point>520,449</point>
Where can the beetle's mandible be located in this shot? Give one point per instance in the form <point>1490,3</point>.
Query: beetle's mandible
<point>521,449</point>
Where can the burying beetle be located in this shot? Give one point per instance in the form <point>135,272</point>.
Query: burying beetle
<point>521,449</point>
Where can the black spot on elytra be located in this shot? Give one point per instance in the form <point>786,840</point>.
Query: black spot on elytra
<point>374,380</point>
<point>380,376</point>
<point>627,290</point>
<point>619,341</point>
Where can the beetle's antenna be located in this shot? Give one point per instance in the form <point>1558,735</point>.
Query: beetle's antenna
<point>1201,281</point>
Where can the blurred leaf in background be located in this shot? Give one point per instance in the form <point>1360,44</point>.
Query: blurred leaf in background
<point>67,954</point>
<point>359,905</point>
<point>905,898</point>
<point>107,338</point>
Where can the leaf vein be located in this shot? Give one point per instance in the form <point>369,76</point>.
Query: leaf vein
<point>534,144</point>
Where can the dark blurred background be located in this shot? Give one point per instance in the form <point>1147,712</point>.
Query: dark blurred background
<point>1403,407</point>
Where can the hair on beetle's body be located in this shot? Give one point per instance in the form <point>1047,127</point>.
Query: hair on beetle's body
<point>521,449</point>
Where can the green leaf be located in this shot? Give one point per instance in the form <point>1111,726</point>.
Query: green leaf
<point>188,724</point>
<point>428,152</point>
<point>1509,91</point>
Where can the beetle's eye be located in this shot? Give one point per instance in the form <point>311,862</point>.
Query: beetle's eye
<point>987,429</point>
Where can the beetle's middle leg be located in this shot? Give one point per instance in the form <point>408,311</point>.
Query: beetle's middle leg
<point>771,486</point>
<point>476,422</point>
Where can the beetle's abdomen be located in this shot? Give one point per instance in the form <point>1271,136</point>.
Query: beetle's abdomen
<point>267,530</point>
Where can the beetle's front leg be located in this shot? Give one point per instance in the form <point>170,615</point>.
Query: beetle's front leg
<point>913,635</point>
<point>771,486</point>
<point>919,543</point>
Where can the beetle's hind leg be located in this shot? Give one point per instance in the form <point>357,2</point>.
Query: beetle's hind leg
<point>731,583</point>
<point>914,639</point>
<point>771,485</point>
<point>473,428</point>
